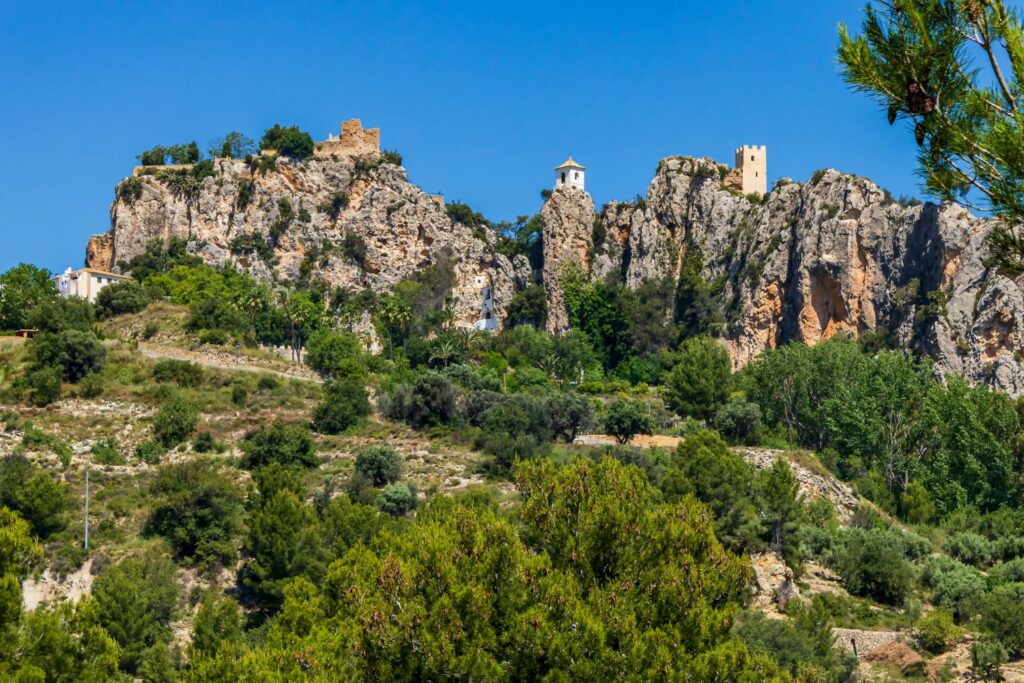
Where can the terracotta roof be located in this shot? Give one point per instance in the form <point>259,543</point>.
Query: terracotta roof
<point>94,271</point>
<point>569,163</point>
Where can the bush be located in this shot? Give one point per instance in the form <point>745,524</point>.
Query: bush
<point>1002,615</point>
<point>175,421</point>
<point>75,353</point>
<point>699,381</point>
<point>289,142</point>
<point>954,586</point>
<point>344,405</point>
<point>936,631</point>
<point>91,386</point>
<point>379,464</point>
<point>34,494</point>
<point>283,443</point>
<point>107,452</point>
<point>198,510</point>
<point>739,421</point>
<point>121,297</point>
<point>182,373</point>
<point>430,400</point>
<point>397,499</point>
<point>870,565</point>
<point>150,451</point>
<point>335,354</point>
<point>987,659</point>
<point>626,419</point>
<point>42,385</point>
<point>239,395</point>
<point>568,414</point>
<point>204,443</point>
<point>970,548</point>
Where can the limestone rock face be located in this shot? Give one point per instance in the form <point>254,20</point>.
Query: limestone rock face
<point>809,261</point>
<point>568,224</point>
<point>307,212</point>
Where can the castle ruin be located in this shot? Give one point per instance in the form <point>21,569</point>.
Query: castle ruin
<point>751,171</point>
<point>354,141</point>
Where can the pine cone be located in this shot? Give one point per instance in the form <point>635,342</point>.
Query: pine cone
<point>919,133</point>
<point>973,9</point>
<point>894,109</point>
<point>917,100</point>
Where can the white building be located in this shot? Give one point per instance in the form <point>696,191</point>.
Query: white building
<point>488,319</point>
<point>570,173</point>
<point>85,283</point>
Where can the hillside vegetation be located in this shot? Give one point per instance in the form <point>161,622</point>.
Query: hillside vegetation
<point>424,513</point>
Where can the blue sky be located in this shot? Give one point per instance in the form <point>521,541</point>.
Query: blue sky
<point>481,98</point>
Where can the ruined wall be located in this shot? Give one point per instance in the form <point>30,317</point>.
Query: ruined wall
<point>354,141</point>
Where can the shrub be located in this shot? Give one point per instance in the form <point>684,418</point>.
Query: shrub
<point>34,494</point>
<point>987,659</point>
<point>344,405</point>
<point>43,385</point>
<point>204,443</point>
<point>150,451</point>
<point>970,548</point>
<point>871,566</point>
<point>91,386</point>
<point>397,499</point>
<point>568,414</point>
<point>288,141</point>
<point>936,631</point>
<point>379,464</point>
<point>354,248</point>
<point>954,585</point>
<point>625,419</point>
<point>739,421</point>
<point>335,354</point>
<point>175,421</point>
<point>430,400</point>
<point>699,381</point>
<point>1002,615</point>
<point>121,297</point>
<point>182,373</point>
<point>75,353</point>
<point>283,443</point>
<point>198,510</point>
<point>390,156</point>
<point>239,395</point>
<point>107,452</point>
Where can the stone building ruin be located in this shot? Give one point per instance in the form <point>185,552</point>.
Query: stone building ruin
<point>354,141</point>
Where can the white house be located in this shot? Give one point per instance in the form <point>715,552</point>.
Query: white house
<point>488,319</point>
<point>570,173</point>
<point>85,283</point>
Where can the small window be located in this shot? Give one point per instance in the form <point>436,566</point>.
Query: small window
<point>563,176</point>
<point>751,157</point>
<point>577,175</point>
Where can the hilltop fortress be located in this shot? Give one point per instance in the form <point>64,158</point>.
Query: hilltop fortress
<point>354,141</point>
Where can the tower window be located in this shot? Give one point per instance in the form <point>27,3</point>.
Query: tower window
<point>563,176</point>
<point>751,157</point>
<point>577,175</point>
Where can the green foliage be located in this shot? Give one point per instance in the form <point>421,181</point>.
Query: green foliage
<point>969,548</point>
<point>333,208</point>
<point>286,444</point>
<point>135,602</point>
<point>704,467</point>
<point>160,258</point>
<point>390,156</point>
<point>354,248</point>
<point>182,373</point>
<point>59,315</point>
<point>43,385</point>
<point>397,500</point>
<point>119,298</point>
<point>698,311</point>
<point>73,352</point>
<point>699,383</point>
<point>781,509</point>
<point>625,419</point>
<point>107,452</point>
<point>175,421</point>
<point>598,310</point>
<point>335,354</point>
<point>218,622</point>
<point>936,631</point>
<point>344,405</point>
<point>430,400</point>
<point>234,145</point>
<point>379,464</point>
<point>19,552</point>
<point>282,544</point>
<point>22,288</point>
<point>802,644</point>
<point>198,510</point>
<point>462,213</point>
<point>288,141</point>
<point>528,307</point>
<point>952,71</point>
<point>987,659</point>
<point>871,565</point>
<point>954,586</point>
<point>739,421</point>
<point>34,494</point>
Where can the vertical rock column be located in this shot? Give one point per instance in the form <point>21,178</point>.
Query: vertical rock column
<point>568,238</point>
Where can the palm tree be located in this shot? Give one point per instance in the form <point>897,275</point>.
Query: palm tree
<point>443,348</point>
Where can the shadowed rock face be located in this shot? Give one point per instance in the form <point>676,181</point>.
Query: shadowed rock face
<point>402,228</point>
<point>832,256</point>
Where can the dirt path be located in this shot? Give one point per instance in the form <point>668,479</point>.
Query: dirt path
<point>223,360</point>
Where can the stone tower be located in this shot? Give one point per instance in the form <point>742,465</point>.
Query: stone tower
<point>751,171</point>
<point>570,173</point>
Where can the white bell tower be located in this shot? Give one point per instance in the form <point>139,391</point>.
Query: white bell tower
<point>570,173</point>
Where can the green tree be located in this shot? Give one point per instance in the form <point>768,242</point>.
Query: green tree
<point>74,352</point>
<point>936,630</point>
<point>283,443</point>
<point>120,298</point>
<point>625,419</point>
<point>198,510</point>
<point>135,601</point>
<point>781,509</point>
<point>870,565</point>
<point>344,405</point>
<point>234,145</point>
<point>218,621</point>
<point>282,544</point>
<point>699,382</point>
<point>22,288</point>
<point>335,354</point>
<point>175,421</point>
<point>288,141</point>
<point>397,499</point>
<point>953,71</point>
<point>379,464</point>
<point>528,307</point>
<point>34,494</point>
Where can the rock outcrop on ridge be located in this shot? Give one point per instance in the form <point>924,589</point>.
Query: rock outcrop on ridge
<point>835,255</point>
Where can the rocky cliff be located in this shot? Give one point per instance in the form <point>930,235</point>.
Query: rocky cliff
<point>356,223</point>
<point>835,255</point>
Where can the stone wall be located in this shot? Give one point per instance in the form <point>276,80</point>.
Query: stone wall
<point>354,141</point>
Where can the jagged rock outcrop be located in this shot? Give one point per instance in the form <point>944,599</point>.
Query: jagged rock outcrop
<point>568,217</point>
<point>832,256</point>
<point>356,223</point>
